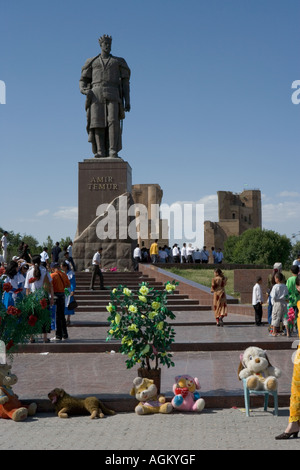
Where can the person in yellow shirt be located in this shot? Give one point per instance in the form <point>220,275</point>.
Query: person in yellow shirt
<point>293,426</point>
<point>154,252</point>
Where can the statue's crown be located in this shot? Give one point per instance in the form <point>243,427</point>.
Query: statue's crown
<point>105,37</point>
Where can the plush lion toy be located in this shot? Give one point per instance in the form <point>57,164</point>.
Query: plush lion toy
<point>187,398</point>
<point>256,368</point>
<point>66,405</point>
<point>10,405</point>
<point>145,391</point>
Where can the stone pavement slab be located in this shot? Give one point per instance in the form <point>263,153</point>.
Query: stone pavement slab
<point>87,364</point>
<point>174,434</point>
<point>200,317</point>
<point>235,332</point>
<point>106,376</point>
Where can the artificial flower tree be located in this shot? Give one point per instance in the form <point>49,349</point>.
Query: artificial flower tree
<point>140,320</point>
<point>24,319</point>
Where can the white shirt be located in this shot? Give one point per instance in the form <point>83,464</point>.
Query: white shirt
<point>137,253</point>
<point>69,250</point>
<point>96,259</point>
<point>33,286</point>
<point>257,296</point>
<point>183,252</point>
<point>279,293</point>
<point>4,241</point>
<point>296,263</point>
<point>16,283</point>
<point>44,256</point>
<point>175,251</point>
<point>190,250</point>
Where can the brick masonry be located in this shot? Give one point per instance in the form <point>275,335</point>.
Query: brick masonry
<point>204,297</point>
<point>244,280</point>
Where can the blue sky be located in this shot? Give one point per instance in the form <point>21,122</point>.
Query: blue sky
<point>211,104</point>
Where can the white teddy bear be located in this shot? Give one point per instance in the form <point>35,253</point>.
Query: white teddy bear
<point>255,367</point>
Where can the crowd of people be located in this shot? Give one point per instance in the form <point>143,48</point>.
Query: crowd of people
<point>283,313</point>
<point>282,298</point>
<point>54,272</point>
<point>176,254</point>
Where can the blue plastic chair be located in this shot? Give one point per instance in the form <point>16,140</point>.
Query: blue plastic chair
<point>266,393</point>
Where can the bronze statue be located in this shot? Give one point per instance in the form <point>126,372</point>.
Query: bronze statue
<point>105,82</point>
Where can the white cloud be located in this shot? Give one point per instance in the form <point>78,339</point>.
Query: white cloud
<point>69,213</point>
<point>281,212</point>
<point>210,207</point>
<point>289,194</point>
<point>43,212</point>
<point>264,197</point>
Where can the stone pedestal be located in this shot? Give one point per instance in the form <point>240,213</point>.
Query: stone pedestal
<point>104,198</point>
<point>100,181</point>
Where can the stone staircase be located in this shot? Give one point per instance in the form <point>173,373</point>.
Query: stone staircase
<point>97,300</point>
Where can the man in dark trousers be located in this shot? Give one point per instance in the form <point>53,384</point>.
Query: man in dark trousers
<point>257,300</point>
<point>96,269</point>
<point>59,281</point>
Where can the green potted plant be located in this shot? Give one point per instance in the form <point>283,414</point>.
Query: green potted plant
<point>140,320</point>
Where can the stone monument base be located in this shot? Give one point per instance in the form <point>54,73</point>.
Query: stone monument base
<point>117,252</point>
<point>100,181</point>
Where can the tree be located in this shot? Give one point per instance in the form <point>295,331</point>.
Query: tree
<point>49,244</point>
<point>65,242</point>
<point>229,247</point>
<point>14,241</point>
<point>258,246</point>
<point>295,251</point>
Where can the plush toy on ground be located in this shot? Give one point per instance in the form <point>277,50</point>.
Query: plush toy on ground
<point>66,405</point>
<point>255,367</point>
<point>10,405</point>
<point>145,391</point>
<point>187,398</point>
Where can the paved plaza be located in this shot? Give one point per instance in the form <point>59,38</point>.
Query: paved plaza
<point>87,364</point>
<point>213,429</point>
